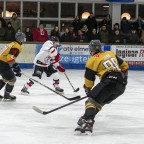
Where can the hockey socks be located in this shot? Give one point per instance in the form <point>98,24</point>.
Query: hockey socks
<point>57,88</point>
<point>25,88</point>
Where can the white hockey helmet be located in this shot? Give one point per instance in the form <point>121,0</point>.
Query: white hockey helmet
<point>48,44</point>
<point>50,47</point>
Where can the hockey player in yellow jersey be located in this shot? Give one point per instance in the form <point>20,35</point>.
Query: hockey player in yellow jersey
<point>8,66</point>
<point>113,73</point>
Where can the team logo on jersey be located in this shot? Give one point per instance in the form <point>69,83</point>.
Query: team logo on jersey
<point>47,59</point>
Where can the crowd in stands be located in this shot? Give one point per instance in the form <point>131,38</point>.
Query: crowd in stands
<point>80,31</point>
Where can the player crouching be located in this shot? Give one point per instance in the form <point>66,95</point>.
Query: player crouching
<point>8,67</point>
<point>47,61</point>
<point>113,73</point>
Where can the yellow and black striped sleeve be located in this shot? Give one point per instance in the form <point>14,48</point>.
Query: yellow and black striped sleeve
<point>122,64</point>
<point>10,52</point>
<point>90,73</point>
<point>12,55</point>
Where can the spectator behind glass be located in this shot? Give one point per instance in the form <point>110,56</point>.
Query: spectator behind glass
<point>71,30</point>
<point>77,24</point>
<point>86,32</point>
<point>10,32</point>
<point>15,21</point>
<point>134,38</point>
<point>29,36</point>
<point>66,37</point>
<point>125,29</point>
<point>138,25</point>
<point>125,25</point>
<point>40,34</point>
<point>93,34</point>
<point>2,32</point>
<point>116,37</point>
<point>82,37</point>
<point>103,34</point>
<point>116,26</point>
<point>108,22</point>
<point>72,34</point>
<point>55,32</point>
<point>91,22</point>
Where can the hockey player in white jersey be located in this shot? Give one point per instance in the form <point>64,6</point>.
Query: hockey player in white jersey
<point>47,60</point>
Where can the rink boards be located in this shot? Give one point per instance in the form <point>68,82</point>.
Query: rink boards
<point>74,56</point>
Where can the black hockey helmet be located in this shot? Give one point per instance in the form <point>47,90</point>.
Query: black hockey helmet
<point>21,37</point>
<point>54,38</point>
<point>94,46</point>
<point>55,41</point>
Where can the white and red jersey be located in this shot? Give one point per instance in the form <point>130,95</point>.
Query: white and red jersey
<point>46,53</point>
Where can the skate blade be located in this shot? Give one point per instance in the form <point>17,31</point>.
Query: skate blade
<point>79,133</point>
<point>88,133</point>
<point>26,94</point>
<point>60,92</point>
<point>8,100</point>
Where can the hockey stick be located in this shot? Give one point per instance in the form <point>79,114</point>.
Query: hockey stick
<point>47,112</point>
<point>75,90</point>
<point>73,98</point>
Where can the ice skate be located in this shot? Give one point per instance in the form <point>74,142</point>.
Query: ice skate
<point>59,90</point>
<point>85,127</point>
<point>8,97</point>
<point>24,91</point>
<point>56,86</point>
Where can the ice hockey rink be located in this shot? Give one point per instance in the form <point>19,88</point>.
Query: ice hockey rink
<point>121,122</point>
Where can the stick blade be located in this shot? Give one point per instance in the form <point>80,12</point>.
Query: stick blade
<point>76,90</point>
<point>75,98</point>
<point>37,109</point>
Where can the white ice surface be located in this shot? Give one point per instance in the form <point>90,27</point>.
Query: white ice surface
<point>121,122</point>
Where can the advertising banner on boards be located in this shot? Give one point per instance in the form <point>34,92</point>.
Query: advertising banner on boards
<point>132,54</point>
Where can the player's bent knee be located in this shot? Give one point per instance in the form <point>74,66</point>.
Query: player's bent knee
<point>12,81</point>
<point>37,75</point>
<point>120,87</point>
<point>91,103</point>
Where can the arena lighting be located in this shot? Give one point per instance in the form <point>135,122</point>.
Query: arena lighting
<point>85,15</point>
<point>127,15</point>
<point>8,14</point>
<point>105,6</point>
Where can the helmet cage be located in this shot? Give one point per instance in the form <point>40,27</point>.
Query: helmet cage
<point>95,46</point>
<point>21,37</point>
<point>55,40</point>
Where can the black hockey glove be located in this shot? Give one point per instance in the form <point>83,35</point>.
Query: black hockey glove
<point>87,90</point>
<point>16,69</point>
<point>18,74</point>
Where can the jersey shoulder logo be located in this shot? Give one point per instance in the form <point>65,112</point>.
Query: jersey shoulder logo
<point>96,56</point>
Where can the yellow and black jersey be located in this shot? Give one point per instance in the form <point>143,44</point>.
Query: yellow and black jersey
<point>10,52</point>
<point>100,63</point>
